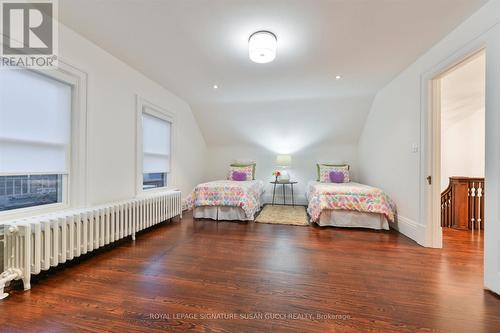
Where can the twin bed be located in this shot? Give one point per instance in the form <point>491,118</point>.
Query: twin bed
<point>227,200</point>
<point>330,203</point>
<point>349,205</point>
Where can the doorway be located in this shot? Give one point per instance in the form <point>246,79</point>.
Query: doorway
<point>459,150</point>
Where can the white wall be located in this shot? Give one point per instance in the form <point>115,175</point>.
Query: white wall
<point>386,159</point>
<point>302,170</point>
<point>111,114</point>
<point>463,91</point>
<point>393,126</point>
<point>311,131</point>
<point>111,106</point>
<point>462,143</point>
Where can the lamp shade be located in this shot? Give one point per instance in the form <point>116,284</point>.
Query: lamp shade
<point>283,160</point>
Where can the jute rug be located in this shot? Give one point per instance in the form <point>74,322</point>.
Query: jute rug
<point>279,214</point>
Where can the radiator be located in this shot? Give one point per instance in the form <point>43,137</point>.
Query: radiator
<point>35,244</point>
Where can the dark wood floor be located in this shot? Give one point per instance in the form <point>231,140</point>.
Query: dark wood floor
<point>175,274</point>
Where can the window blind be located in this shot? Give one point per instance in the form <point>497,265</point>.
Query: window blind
<point>155,144</point>
<point>35,123</point>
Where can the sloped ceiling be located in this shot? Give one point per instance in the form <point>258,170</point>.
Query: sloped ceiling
<point>189,45</point>
<point>285,126</point>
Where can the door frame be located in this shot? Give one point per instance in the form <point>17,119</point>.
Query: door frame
<point>430,140</point>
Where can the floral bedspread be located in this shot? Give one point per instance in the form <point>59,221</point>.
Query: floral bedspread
<point>244,194</point>
<point>348,196</point>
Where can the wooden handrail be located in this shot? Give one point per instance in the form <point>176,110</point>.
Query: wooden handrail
<point>462,203</point>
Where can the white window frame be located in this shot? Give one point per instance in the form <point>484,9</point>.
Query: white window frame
<point>144,106</point>
<point>75,181</point>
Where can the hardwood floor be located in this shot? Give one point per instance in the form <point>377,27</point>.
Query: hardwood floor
<point>176,275</point>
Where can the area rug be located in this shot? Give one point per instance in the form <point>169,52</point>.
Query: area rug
<point>279,214</point>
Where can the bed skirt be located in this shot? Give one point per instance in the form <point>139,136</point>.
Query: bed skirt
<point>220,213</point>
<point>352,219</point>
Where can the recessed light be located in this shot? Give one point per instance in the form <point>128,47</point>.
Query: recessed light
<point>338,77</point>
<point>216,86</point>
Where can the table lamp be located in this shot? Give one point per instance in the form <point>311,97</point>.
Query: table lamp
<point>283,162</point>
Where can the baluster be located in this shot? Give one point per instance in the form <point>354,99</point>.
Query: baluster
<point>482,206</point>
<point>443,211</point>
<point>446,210</point>
<point>479,212</point>
<point>446,207</point>
<point>472,210</point>
<point>476,205</point>
<point>469,206</point>
<point>450,209</point>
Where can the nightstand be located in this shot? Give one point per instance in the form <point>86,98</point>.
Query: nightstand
<point>283,187</point>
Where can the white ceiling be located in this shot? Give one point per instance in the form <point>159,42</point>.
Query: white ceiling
<point>189,45</point>
<point>463,90</point>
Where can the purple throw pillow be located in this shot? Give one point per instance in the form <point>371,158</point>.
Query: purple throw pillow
<point>239,176</point>
<point>336,177</point>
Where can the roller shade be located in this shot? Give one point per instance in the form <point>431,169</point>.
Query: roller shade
<point>155,144</point>
<point>35,123</point>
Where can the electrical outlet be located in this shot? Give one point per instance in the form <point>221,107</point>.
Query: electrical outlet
<point>414,148</point>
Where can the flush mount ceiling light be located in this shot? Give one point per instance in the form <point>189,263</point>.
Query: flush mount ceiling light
<point>262,46</point>
<point>216,86</point>
<point>338,77</point>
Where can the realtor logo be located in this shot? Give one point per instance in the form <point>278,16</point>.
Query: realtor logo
<point>29,33</point>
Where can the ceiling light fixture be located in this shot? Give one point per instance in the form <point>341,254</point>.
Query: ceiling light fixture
<point>216,86</point>
<point>338,77</point>
<point>262,47</point>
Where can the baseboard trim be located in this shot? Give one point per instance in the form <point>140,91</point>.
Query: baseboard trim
<point>410,229</point>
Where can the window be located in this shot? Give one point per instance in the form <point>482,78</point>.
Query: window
<point>35,137</point>
<point>156,142</point>
<point>29,190</point>
<point>152,180</point>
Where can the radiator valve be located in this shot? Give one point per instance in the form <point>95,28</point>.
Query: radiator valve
<point>7,276</point>
<point>13,229</point>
